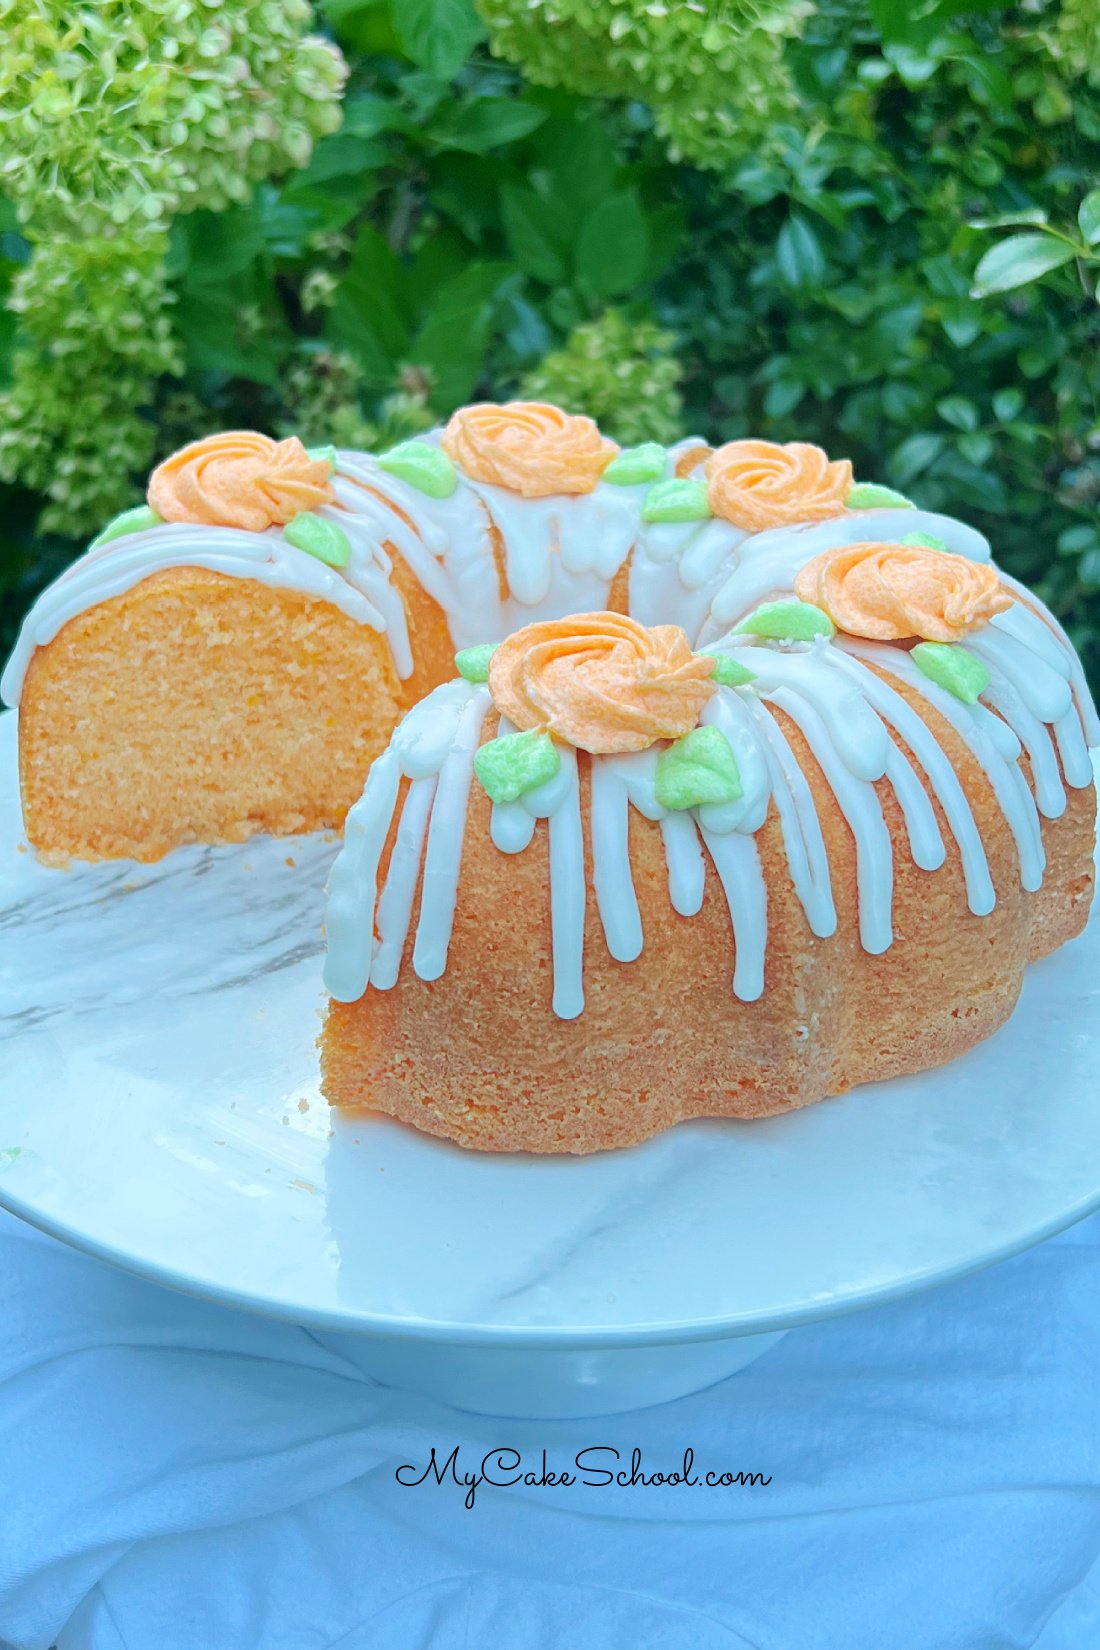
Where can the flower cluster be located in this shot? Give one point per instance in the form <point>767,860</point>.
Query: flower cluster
<point>619,371</point>
<point>114,117</point>
<point>714,76</point>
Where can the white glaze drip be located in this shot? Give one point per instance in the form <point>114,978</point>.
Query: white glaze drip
<point>446,833</point>
<point>396,902</point>
<point>434,747</point>
<point>567,895</point>
<point>616,900</point>
<point>941,776</point>
<point>686,865</point>
<point>801,829</point>
<point>1035,624</point>
<point>353,882</point>
<point>737,860</point>
<point>1000,768</point>
<point>861,808</point>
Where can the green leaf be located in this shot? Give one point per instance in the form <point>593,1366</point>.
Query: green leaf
<point>1008,404</point>
<point>798,255</point>
<point>914,456</point>
<point>222,244</point>
<point>454,337</point>
<point>341,155</point>
<point>1088,217</point>
<point>1083,535</point>
<point>957,410</point>
<point>782,397</point>
<point>438,35</point>
<point>976,446</point>
<point>1006,220</point>
<point>613,245</point>
<point>581,160</point>
<point>532,233</point>
<point>209,320</point>
<point>488,123</point>
<point>1015,262</point>
<point>368,315</point>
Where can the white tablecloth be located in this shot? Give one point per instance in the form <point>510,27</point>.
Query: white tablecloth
<point>177,1476</point>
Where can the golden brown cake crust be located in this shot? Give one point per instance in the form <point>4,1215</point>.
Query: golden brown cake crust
<point>477,1055</point>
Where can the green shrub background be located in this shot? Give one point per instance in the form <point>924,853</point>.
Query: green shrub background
<point>471,231</point>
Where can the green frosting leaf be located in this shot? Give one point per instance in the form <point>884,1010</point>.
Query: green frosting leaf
<point>636,464</point>
<point>698,768</point>
<point>510,767</point>
<point>924,539</point>
<point>866,495</point>
<point>423,466</point>
<point>320,538</point>
<point>678,499</point>
<point>787,622</point>
<point>953,668</point>
<point>323,455</point>
<point>473,662</point>
<point>137,520</point>
<point>729,672</point>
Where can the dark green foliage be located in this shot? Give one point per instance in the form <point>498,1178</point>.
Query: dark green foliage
<point>462,226</point>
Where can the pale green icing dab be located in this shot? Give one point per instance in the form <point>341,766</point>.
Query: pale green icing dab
<point>729,672</point>
<point>867,495</point>
<point>925,540</point>
<point>698,768</point>
<point>472,663</point>
<point>423,466</point>
<point>137,520</point>
<point>792,621</point>
<point>960,672</point>
<point>323,455</point>
<point>637,464</point>
<point>680,498</point>
<point>519,762</point>
<point>319,537</point>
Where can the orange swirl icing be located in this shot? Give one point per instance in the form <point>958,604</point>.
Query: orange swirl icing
<point>601,682</point>
<point>760,484</point>
<point>691,460</point>
<point>240,479</point>
<point>888,592</point>
<point>529,447</point>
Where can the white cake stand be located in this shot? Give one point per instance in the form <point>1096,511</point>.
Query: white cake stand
<point>159,1107</point>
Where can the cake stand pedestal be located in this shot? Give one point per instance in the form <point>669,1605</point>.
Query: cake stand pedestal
<point>159,1107</point>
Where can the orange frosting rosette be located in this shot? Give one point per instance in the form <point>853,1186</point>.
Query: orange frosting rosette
<point>528,447</point>
<point>601,682</point>
<point>760,484</point>
<point>890,592</point>
<point>240,479</point>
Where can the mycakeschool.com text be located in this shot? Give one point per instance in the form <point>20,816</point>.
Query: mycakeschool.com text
<point>596,1467</point>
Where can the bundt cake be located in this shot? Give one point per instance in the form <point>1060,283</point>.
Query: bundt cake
<point>754,783</point>
<point>602,883</point>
